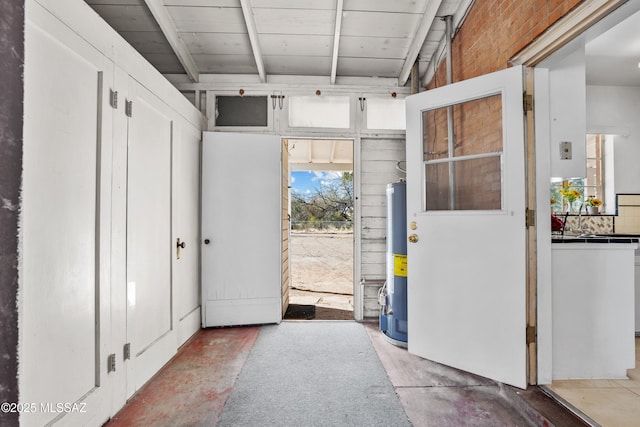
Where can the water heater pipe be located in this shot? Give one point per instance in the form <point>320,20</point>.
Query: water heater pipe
<point>450,137</point>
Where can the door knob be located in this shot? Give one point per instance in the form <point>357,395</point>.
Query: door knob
<point>179,245</point>
<point>413,238</point>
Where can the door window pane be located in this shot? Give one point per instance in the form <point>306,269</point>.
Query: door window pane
<point>463,155</point>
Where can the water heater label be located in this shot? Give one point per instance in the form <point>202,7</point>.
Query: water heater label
<point>399,265</point>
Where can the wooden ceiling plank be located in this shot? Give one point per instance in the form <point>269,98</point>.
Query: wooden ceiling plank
<point>249,20</point>
<point>159,12</point>
<point>418,40</point>
<point>336,40</point>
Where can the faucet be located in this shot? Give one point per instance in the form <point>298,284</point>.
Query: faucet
<point>580,229</point>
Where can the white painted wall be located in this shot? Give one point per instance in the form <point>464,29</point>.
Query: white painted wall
<point>614,110</point>
<point>378,168</point>
<point>567,82</point>
<point>593,316</point>
<point>73,260</point>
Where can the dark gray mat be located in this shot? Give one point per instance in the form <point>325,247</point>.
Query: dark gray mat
<point>313,374</point>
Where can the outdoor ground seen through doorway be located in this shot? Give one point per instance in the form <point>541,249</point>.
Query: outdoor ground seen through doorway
<point>321,246</point>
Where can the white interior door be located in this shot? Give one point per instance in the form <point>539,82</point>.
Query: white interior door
<point>241,229</point>
<point>466,208</point>
<point>150,249</point>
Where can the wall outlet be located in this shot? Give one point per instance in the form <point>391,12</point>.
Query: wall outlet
<point>565,150</point>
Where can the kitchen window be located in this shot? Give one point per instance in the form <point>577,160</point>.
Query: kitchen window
<point>591,185</point>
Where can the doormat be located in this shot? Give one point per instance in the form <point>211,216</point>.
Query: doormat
<point>300,311</point>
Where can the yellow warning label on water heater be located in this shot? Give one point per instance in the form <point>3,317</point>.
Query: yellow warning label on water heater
<point>399,265</point>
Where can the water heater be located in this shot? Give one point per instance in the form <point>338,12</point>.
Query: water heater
<point>393,295</point>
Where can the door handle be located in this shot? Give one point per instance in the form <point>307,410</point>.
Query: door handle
<point>413,238</point>
<point>179,245</point>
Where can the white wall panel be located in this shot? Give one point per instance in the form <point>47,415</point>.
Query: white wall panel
<point>64,273</point>
<point>74,224</point>
<point>378,165</point>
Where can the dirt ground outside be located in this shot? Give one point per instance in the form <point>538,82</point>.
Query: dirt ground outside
<point>321,266</point>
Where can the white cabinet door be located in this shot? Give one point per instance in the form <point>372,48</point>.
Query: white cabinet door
<point>150,329</point>
<point>186,227</point>
<point>466,207</point>
<point>241,229</point>
<point>65,226</point>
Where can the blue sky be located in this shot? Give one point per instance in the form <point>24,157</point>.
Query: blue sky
<point>304,182</point>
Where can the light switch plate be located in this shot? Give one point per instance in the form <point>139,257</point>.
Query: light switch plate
<point>565,150</point>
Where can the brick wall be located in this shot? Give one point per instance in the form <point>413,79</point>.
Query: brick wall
<point>477,130</point>
<point>495,30</point>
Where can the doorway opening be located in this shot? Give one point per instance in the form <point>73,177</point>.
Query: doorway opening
<point>321,239</point>
<point>608,102</point>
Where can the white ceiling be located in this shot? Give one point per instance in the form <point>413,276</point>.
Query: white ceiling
<point>321,154</point>
<point>334,38</point>
<point>612,58</point>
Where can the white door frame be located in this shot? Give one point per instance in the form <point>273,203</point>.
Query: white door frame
<point>586,16</point>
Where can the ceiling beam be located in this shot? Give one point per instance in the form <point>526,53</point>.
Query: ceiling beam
<point>250,22</point>
<point>418,40</point>
<point>168,28</point>
<point>336,40</point>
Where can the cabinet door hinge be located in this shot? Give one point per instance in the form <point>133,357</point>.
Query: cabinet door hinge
<point>128,108</point>
<point>527,102</point>
<point>127,351</point>
<point>113,98</point>
<point>531,334</point>
<point>111,363</point>
<point>530,217</point>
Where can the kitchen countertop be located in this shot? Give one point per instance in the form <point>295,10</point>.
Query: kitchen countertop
<point>596,238</point>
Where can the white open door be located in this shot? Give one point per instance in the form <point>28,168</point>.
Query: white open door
<point>241,229</point>
<point>466,222</point>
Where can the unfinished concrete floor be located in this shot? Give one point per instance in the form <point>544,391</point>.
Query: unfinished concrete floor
<point>193,388</point>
